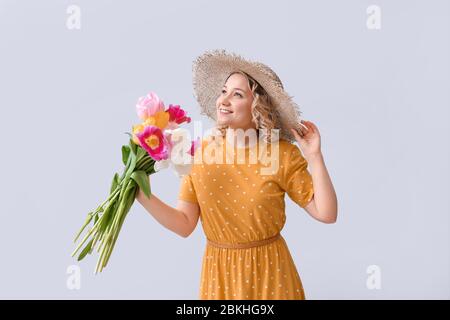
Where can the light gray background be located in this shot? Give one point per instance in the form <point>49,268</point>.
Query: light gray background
<point>379,97</point>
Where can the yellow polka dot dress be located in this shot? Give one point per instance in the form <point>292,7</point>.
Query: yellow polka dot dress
<point>242,211</point>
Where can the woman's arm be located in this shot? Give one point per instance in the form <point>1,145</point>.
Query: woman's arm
<point>323,206</point>
<point>181,220</point>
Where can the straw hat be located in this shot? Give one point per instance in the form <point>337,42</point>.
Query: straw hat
<point>211,69</point>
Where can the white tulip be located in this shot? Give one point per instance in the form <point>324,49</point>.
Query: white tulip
<point>180,160</point>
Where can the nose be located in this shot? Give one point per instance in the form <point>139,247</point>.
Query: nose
<point>224,100</point>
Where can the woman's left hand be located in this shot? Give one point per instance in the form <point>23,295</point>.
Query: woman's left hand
<point>308,138</point>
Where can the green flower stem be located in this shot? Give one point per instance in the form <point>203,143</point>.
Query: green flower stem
<point>111,195</point>
<point>96,225</point>
<point>88,220</point>
<point>111,229</point>
<point>101,230</point>
<point>111,199</point>
<point>87,235</point>
<point>125,206</point>
<point>102,254</point>
<point>106,228</point>
<point>102,246</point>
<point>96,238</point>
<point>129,199</point>
<point>117,217</point>
<point>144,162</point>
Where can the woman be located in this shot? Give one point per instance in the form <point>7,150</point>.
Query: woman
<point>242,209</point>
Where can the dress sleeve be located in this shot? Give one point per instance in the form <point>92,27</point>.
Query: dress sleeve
<point>297,180</point>
<point>187,190</point>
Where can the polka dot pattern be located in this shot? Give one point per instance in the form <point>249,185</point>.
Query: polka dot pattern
<point>239,204</point>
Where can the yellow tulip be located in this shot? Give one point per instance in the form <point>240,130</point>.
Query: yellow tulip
<point>159,119</point>
<point>137,129</point>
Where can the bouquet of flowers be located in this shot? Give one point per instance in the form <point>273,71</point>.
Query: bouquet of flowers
<point>149,150</point>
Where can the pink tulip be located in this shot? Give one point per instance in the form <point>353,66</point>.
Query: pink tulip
<point>177,116</point>
<point>149,105</point>
<point>153,141</point>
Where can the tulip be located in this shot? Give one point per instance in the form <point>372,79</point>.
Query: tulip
<point>149,105</point>
<point>177,116</point>
<point>181,164</point>
<point>159,119</point>
<point>154,142</point>
<point>149,148</point>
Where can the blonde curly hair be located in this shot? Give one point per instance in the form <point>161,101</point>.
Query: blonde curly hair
<point>264,115</point>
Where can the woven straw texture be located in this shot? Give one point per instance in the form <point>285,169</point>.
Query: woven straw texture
<point>211,69</point>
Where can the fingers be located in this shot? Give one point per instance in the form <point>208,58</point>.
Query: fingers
<point>296,135</point>
<point>303,124</point>
<point>311,126</point>
<point>305,128</point>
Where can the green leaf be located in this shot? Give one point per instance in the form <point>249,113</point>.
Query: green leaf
<point>140,152</point>
<point>88,220</point>
<point>131,166</point>
<point>115,182</point>
<point>142,181</point>
<point>133,146</point>
<point>125,154</point>
<point>85,250</point>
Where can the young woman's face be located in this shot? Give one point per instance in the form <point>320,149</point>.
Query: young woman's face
<point>234,103</point>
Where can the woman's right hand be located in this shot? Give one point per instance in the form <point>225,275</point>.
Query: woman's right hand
<point>181,220</point>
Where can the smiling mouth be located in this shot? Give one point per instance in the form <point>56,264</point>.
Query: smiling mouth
<point>225,111</point>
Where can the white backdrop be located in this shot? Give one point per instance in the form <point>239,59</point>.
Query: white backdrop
<point>374,79</point>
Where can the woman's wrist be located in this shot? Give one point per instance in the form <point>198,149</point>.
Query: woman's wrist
<point>314,157</point>
<point>140,196</point>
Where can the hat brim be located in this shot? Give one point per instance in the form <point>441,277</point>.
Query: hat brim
<point>211,69</point>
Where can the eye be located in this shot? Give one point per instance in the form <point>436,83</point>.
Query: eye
<point>236,93</point>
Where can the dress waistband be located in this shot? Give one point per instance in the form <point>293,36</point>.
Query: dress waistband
<point>245,245</point>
